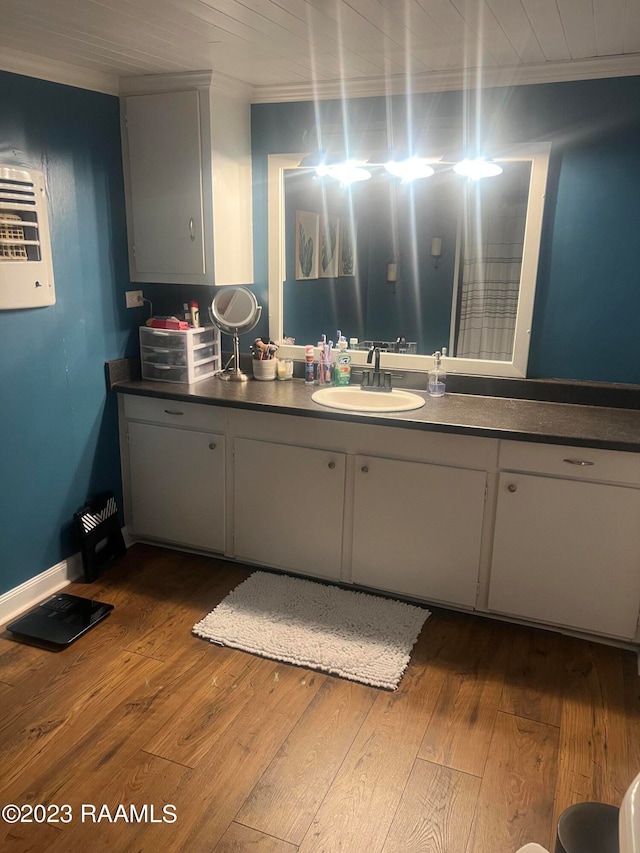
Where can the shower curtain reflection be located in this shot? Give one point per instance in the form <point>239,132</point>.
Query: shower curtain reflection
<point>490,271</point>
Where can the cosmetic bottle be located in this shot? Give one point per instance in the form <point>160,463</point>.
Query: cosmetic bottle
<point>342,369</point>
<point>309,371</point>
<point>194,314</point>
<point>437,377</point>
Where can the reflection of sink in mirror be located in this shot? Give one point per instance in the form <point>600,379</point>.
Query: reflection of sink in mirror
<point>357,400</point>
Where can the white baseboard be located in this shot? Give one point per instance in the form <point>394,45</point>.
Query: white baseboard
<point>22,597</point>
<point>129,538</point>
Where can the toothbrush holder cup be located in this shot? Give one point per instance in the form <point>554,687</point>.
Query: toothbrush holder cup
<point>264,369</point>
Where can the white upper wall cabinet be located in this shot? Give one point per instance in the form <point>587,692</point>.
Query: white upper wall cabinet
<point>186,142</point>
<point>167,203</point>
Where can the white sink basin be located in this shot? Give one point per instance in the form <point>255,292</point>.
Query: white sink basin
<point>356,400</point>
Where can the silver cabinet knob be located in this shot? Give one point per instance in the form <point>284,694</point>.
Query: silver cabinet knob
<point>212,445</point>
<point>192,233</point>
<point>512,487</point>
<point>582,462</point>
<point>365,469</point>
<point>331,466</point>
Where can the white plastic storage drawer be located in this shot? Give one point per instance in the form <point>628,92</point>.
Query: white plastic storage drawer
<point>179,356</point>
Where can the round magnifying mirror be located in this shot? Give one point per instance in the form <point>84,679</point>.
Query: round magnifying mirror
<point>234,311</point>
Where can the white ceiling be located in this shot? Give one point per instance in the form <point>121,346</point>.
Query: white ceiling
<point>295,49</point>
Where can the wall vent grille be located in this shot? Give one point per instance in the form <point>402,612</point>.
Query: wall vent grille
<point>26,268</point>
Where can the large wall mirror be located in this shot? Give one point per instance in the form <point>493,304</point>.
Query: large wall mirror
<point>440,263</point>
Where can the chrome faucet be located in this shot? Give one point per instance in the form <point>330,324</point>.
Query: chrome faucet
<point>375,380</point>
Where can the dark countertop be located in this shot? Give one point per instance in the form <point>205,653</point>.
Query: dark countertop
<point>467,414</point>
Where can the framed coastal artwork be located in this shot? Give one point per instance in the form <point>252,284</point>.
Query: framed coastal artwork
<point>329,247</point>
<point>307,238</point>
<point>347,247</point>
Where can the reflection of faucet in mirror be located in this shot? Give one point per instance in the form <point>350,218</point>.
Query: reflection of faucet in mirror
<point>375,351</point>
<point>374,380</point>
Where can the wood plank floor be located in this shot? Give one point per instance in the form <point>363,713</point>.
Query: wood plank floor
<point>494,730</point>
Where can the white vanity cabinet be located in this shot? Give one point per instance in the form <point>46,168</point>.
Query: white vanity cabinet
<point>289,507</point>
<point>566,547</point>
<point>417,529</point>
<point>362,504</point>
<point>187,167</point>
<point>530,531</point>
<point>176,473</point>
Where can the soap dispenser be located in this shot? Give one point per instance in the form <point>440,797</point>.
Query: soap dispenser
<point>437,377</point>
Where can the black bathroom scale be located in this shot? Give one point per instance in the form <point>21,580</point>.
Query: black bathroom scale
<point>59,620</point>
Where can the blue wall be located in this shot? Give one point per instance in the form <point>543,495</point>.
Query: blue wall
<point>59,439</point>
<point>588,302</point>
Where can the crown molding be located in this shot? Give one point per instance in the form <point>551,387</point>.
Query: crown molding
<point>143,84</point>
<point>442,81</point>
<point>175,82</point>
<point>30,65</point>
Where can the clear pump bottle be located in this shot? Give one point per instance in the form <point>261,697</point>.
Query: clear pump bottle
<point>437,377</point>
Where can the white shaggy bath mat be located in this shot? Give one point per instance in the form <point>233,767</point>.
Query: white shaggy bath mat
<point>352,634</point>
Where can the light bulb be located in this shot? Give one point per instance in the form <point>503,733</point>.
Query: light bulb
<point>348,172</point>
<point>410,169</point>
<point>477,169</point>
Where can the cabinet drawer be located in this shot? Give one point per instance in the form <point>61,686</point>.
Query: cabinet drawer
<point>184,340</point>
<point>166,355</point>
<point>174,413</point>
<point>581,463</point>
<point>186,374</point>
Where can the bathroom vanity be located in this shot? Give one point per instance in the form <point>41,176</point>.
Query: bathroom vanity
<point>521,509</point>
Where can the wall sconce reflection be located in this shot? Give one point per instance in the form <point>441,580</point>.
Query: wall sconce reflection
<point>437,250</point>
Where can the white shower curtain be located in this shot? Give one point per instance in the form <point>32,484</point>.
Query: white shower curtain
<point>490,280</point>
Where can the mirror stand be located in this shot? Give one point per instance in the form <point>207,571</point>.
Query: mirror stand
<point>234,374</point>
<point>234,311</point>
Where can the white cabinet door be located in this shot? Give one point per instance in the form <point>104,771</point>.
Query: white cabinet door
<point>288,507</point>
<point>568,553</point>
<point>417,529</point>
<point>177,485</point>
<point>165,187</point>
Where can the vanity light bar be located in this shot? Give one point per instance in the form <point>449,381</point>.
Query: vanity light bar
<point>407,170</point>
